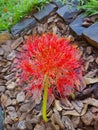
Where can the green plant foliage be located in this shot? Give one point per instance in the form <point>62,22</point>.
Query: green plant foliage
<point>63,1</point>
<point>12,11</point>
<point>82,2</point>
<point>90,8</point>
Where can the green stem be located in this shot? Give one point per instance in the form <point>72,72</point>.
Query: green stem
<point>45,96</point>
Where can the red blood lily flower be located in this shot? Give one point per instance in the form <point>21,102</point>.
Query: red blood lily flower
<point>48,61</point>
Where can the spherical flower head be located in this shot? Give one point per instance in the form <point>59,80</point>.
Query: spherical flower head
<point>53,56</point>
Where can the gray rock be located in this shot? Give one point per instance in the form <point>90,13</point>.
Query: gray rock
<point>21,125</point>
<point>76,25</point>
<point>23,25</point>
<point>2,88</point>
<point>44,12</point>
<point>91,34</point>
<point>68,13</point>
<point>11,56</point>
<point>11,86</point>
<point>1,51</point>
<point>20,97</point>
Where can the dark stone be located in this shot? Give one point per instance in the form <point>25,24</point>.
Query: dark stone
<point>91,34</point>
<point>76,25</point>
<point>68,13</point>
<point>23,25</point>
<point>44,12</point>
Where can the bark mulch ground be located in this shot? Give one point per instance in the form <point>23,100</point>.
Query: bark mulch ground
<point>23,113</point>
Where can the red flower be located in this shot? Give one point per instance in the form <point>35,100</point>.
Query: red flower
<point>53,56</point>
